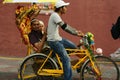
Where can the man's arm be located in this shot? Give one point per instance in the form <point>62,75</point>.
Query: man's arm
<point>39,45</point>
<point>70,29</point>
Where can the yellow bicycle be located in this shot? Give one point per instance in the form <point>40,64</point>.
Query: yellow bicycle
<point>41,66</point>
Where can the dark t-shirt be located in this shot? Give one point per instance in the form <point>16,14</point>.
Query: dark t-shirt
<point>35,36</point>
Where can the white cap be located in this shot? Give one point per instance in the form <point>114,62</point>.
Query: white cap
<point>61,3</point>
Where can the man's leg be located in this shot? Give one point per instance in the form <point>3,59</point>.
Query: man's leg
<point>68,44</point>
<point>60,50</point>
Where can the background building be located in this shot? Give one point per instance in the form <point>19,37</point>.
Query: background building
<point>94,16</point>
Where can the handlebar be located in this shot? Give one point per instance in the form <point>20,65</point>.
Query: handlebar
<point>87,40</point>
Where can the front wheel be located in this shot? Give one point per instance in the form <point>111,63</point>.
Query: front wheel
<point>107,67</point>
<point>31,64</point>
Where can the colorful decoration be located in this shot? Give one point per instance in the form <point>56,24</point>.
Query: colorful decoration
<point>23,17</point>
<point>90,37</point>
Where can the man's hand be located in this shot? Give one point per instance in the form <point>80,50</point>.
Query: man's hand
<point>80,33</point>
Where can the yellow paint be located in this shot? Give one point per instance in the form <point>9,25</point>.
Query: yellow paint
<point>10,58</point>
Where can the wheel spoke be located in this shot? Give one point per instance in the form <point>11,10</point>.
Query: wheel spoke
<point>31,65</point>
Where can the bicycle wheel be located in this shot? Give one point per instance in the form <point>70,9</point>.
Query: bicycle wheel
<point>108,68</point>
<point>31,64</point>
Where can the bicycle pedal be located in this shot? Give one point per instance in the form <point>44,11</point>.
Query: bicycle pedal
<point>78,70</point>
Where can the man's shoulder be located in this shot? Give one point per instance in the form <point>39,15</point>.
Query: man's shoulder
<point>54,14</point>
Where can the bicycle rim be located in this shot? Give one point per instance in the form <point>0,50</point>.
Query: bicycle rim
<point>30,66</point>
<point>107,67</point>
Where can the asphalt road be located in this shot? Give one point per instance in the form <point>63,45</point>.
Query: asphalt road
<point>9,68</point>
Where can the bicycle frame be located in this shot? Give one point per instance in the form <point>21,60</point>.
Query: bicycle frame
<point>72,52</point>
<point>87,63</point>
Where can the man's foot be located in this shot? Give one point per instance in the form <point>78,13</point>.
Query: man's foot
<point>79,69</point>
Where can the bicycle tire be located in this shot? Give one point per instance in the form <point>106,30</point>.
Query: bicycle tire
<point>30,66</point>
<point>108,68</point>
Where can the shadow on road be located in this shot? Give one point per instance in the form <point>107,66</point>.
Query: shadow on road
<point>8,76</point>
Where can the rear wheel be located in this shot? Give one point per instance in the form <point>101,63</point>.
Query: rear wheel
<point>108,68</point>
<point>31,64</point>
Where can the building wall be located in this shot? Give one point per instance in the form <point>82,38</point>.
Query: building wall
<point>94,16</point>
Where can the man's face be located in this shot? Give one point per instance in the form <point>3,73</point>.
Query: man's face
<point>37,26</point>
<point>63,9</point>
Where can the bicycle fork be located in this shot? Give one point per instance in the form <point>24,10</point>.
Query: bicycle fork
<point>96,70</point>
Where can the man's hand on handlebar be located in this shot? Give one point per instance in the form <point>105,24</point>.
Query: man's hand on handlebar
<point>80,33</point>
